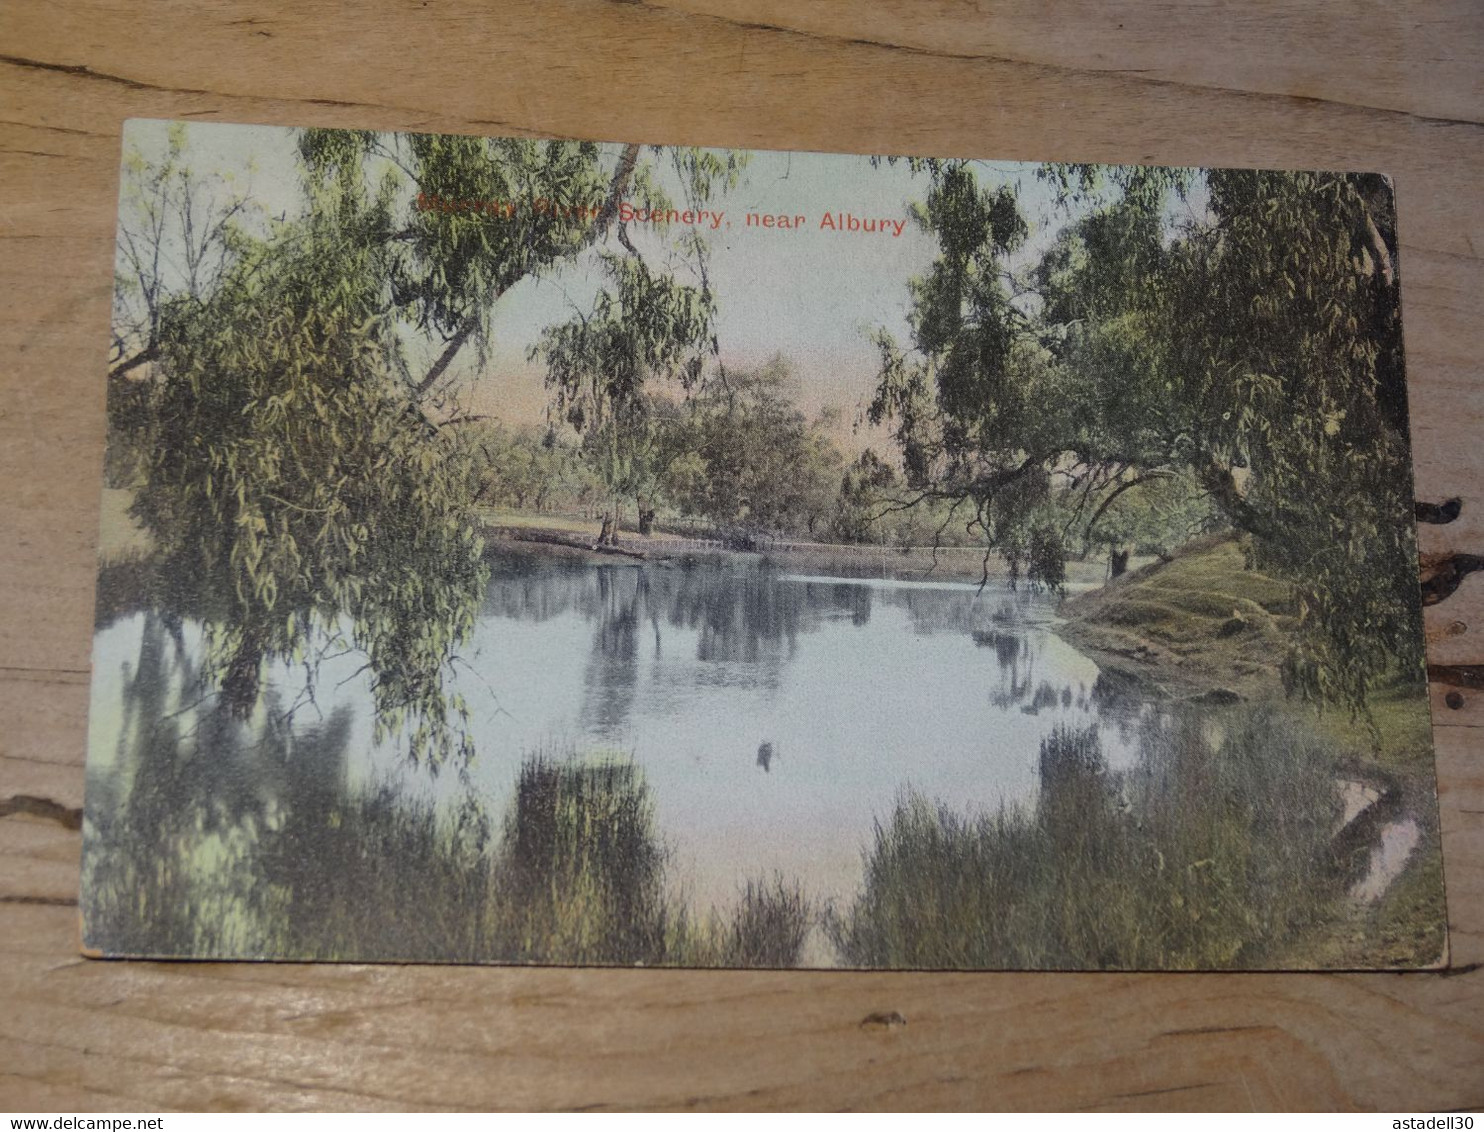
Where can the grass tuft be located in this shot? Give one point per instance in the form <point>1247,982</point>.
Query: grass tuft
<point>1202,855</point>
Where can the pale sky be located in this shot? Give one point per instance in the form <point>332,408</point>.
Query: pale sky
<point>811,294</point>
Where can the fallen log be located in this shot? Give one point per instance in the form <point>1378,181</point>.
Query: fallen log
<point>639,554</point>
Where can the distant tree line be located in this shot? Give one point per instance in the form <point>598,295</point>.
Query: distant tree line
<point>738,458</point>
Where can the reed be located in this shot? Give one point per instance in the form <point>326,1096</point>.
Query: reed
<point>1206,853</point>
<point>574,873</point>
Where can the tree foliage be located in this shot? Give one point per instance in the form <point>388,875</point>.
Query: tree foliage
<point>303,472</point>
<point>292,485</point>
<point>647,327</point>
<point>531,468</point>
<point>1251,350</point>
<point>760,467</point>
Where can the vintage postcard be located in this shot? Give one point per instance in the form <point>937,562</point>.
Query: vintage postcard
<point>525,551</point>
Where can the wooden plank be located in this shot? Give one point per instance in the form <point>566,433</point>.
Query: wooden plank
<point>1292,84</point>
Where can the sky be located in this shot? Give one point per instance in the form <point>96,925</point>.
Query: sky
<point>813,293</point>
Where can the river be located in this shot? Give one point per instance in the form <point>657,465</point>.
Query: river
<point>775,716</point>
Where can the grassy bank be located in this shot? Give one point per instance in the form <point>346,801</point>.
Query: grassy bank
<point>571,538</point>
<point>1199,624</point>
<point>1201,855</point>
<point>1203,628</point>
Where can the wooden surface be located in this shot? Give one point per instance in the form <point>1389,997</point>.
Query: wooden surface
<point>1397,87</point>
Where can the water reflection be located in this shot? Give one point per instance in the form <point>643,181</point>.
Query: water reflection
<point>631,800</point>
<point>765,756</point>
<point>703,675</point>
<point>871,685</point>
<point>178,809</point>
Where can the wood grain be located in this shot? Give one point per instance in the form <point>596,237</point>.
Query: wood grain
<point>1281,83</point>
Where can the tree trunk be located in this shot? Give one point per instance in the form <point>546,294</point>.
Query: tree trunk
<point>242,680</point>
<point>646,521</point>
<point>1222,486</point>
<point>455,344</point>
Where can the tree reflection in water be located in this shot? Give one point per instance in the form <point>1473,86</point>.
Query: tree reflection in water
<point>210,836</point>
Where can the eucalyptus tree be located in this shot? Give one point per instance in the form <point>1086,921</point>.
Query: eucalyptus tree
<point>530,467</point>
<point>651,323</point>
<point>178,230</point>
<point>644,328</point>
<point>1252,349</point>
<point>760,465</point>
<point>305,477</point>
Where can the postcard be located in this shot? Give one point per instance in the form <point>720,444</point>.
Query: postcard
<point>547,552</point>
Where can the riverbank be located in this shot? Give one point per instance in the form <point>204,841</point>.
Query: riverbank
<point>1164,837</point>
<point>1198,626</point>
<point>576,539</point>
<point>1202,628</point>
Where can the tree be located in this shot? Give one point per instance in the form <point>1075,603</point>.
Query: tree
<point>530,467</point>
<point>864,496</point>
<point>1252,351</point>
<point>294,496</point>
<point>178,229</point>
<point>305,480</point>
<point>645,326</point>
<point>1140,512</point>
<point>638,456</point>
<point>761,466</point>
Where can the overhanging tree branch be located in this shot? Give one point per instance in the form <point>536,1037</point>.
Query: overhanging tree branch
<point>623,174</point>
<point>148,354</point>
<point>1219,482</point>
<point>1144,477</point>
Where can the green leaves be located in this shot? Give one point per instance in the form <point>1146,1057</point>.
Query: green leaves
<point>758,467</point>
<point>301,482</point>
<point>295,492</point>
<point>1254,351</point>
<point>644,327</point>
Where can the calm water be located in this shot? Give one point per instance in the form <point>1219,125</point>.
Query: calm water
<point>775,716</point>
